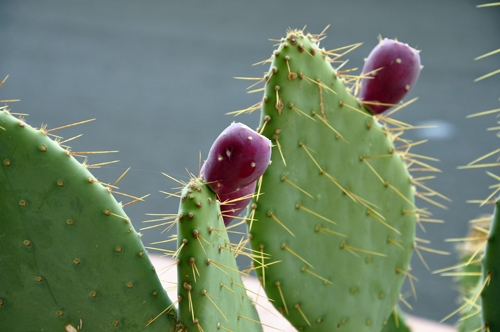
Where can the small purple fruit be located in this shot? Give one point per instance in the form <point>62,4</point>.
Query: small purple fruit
<point>390,71</point>
<point>234,203</point>
<point>238,157</point>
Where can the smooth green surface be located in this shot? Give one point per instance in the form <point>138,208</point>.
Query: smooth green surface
<point>206,262</point>
<point>329,280</point>
<point>63,258</point>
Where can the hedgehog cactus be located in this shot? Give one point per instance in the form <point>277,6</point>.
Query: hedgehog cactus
<point>338,206</point>
<point>70,256</point>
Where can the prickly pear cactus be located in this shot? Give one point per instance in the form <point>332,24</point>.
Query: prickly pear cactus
<point>491,270</point>
<point>70,258</point>
<point>211,293</point>
<point>336,208</point>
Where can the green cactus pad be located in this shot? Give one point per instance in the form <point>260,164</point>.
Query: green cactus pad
<point>336,205</point>
<point>69,255</point>
<point>210,288</point>
<point>490,294</point>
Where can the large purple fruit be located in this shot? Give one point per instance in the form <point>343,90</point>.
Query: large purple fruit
<point>390,71</point>
<point>238,157</point>
<point>234,203</point>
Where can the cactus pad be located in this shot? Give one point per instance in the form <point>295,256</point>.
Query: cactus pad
<point>70,256</point>
<point>336,207</point>
<point>211,292</point>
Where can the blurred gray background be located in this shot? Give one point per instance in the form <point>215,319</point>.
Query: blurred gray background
<point>158,76</point>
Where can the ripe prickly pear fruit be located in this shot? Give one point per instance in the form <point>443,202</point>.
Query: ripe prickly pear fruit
<point>390,71</point>
<point>234,203</point>
<point>238,157</point>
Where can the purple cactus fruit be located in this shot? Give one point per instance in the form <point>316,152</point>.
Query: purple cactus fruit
<point>390,71</point>
<point>238,157</point>
<point>234,203</point>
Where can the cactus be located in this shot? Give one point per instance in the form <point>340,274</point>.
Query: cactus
<point>337,207</point>
<point>211,292</point>
<point>70,256</point>
<point>331,223</point>
<point>490,292</point>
